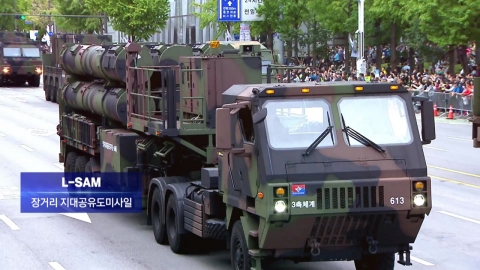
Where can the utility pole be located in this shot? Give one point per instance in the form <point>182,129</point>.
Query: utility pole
<point>361,63</point>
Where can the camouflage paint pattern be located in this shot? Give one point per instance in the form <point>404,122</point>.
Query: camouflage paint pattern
<point>53,75</point>
<point>347,189</point>
<point>206,49</point>
<point>350,187</point>
<point>266,54</point>
<point>26,64</point>
<point>99,62</point>
<point>93,97</point>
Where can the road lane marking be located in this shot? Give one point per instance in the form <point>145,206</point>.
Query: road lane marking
<point>454,181</point>
<point>59,165</point>
<point>27,148</point>
<point>9,223</point>
<point>43,98</point>
<point>56,266</point>
<point>14,108</point>
<point>415,259</point>
<point>454,171</point>
<point>460,217</point>
<point>434,148</point>
<point>460,139</point>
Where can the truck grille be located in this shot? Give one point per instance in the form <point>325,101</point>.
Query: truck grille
<point>348,229</point>
<point>350,197</point>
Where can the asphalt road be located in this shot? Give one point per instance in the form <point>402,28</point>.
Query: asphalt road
<point>449,238</point>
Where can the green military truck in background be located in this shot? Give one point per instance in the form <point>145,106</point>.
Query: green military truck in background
<point>475,119</point>
<point>20,59</point>
<point>277,171</point>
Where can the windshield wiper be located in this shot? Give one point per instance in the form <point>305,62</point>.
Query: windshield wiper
<point>320,138</point>
<point>350,132</point>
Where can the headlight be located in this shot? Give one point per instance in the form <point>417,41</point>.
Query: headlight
<point>38,70</point>
<point>419,200</point>
<point>6,70</point>
<point>280,206</point>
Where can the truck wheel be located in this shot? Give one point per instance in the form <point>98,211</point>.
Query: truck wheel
<point>81,164</point>
<point>54,93</point>
<point>157,211</point>
<point>376,262</point>
<point>239,256</point>
<point>46,89</point>
<point>178,242</point>
<point>70,162</point>
<point>51,89</point>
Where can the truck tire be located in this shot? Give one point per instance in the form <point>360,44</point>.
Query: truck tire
<point>51,89</point>
<point>239,256</point>
<point>178,242</point>
<point>70,162</point>
<point>157,211</point>
<point>34,81</point>
<point>81,164</point>
<point>46,89</point>
<point>54,92</point>
<point>384,261</point>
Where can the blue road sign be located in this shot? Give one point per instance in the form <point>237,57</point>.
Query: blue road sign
<point>50,33</point>
<point>28,22</point>
<point>236,37</point>
<point>229,10</point>
<point>36,34</point>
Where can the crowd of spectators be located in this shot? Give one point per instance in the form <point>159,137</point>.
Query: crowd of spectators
<point>437,78</point>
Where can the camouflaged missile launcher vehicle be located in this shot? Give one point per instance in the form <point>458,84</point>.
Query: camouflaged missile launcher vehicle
<point>20,59</point>
<point>302,172</point>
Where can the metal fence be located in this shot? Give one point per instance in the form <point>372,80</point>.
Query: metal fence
<point>461,105</point>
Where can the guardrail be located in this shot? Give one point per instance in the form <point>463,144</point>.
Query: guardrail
<point>461,105</point>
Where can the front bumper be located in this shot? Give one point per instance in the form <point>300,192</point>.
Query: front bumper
<point>342,215</point>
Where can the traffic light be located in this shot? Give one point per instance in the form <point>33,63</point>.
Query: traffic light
<point>20,17</point>
<point>23,17</point>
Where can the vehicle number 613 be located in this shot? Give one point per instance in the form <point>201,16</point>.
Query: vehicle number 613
<point>397,200</point>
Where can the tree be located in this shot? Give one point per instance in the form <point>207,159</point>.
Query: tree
<point>339,17</point>
<point>7,22</point>
<point>139,19</point>
<point>31,7</point>
<point>208,15</point>
<point>77,25</point>
<point>289,28</point>
<point>270,10</point>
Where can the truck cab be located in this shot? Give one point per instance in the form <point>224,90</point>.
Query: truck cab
<point>326,172</point>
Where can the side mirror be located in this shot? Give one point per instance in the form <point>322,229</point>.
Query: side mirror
<point>259,116</point>
<point>224,134</point>
<point>428,122</point>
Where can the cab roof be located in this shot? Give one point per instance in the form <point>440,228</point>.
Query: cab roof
<point>244,91</point>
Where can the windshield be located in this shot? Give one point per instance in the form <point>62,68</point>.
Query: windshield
<point>12,52</point>
<point>265,66</point>
<point>383,120</point>
<point>31,52</point>
<point>296,123</point>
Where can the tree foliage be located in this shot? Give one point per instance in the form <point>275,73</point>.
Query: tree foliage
<point>76,25</point>
<point>139,19</point>
<point>208,15</point>
<point>7,22</point>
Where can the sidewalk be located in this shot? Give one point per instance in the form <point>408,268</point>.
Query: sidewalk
<point>456,121</point>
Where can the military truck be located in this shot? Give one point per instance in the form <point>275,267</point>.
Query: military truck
<point>277,171</point>
<point>53,75</point>
<point>20,59</point>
